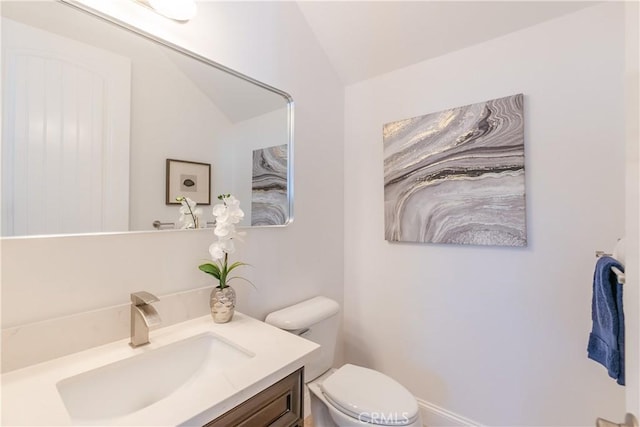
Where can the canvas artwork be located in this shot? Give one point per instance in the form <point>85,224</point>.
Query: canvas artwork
<point>457,176</point>
<point>269,201</point>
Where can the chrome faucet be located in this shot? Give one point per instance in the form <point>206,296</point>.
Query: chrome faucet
<point>143,317</point>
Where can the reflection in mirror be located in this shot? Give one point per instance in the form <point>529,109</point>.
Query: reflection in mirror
<point>93,111</point>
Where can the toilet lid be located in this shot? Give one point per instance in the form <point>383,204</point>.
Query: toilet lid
<point>370,396</point>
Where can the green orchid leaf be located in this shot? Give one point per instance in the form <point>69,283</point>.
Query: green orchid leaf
<point>236,264</point>
<point>211,269</point>
<point>242,278</point>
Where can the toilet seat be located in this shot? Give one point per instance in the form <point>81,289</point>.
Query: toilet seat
<point>370,396</point>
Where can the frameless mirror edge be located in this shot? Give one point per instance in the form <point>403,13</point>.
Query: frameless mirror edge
<point>290,123</point>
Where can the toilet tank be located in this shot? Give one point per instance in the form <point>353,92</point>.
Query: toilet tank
<point>317,320</point>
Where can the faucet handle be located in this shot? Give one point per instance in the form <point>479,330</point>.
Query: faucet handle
<point>142,297</point>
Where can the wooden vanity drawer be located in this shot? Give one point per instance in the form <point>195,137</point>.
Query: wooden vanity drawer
<point>280,405</point>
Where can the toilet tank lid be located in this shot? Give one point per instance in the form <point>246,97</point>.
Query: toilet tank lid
<point>303,314</point>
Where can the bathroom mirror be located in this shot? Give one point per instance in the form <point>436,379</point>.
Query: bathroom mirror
<point>104,126</point>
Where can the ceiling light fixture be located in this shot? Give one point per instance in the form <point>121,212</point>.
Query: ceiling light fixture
<point>179,10</point>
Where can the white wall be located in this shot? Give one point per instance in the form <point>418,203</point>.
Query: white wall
<point>632,220</point>
<point>44,278</point>
<point>266,130</point>
<point>495,334</point>
<point>171,118</point>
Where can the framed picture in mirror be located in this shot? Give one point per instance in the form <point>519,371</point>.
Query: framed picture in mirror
<point>188,179</point>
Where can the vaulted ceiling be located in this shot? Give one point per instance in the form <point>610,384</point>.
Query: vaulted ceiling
<point>363,39</point>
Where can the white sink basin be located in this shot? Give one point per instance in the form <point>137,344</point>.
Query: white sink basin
<point>132,384</point>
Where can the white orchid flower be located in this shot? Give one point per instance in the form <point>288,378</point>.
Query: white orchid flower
<point>224,230</point>
<point>228,211</point>
<point>228,246</point>
<point>227,214</point>
<point>221,212</point>
<point>216,251</point>
<point>235,213</point>
<point>195,212</point>
<point>187,204</point>
<point>189,213</point>
<point>220,248</point>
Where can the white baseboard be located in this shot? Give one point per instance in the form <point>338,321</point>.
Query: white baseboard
<point>435,416</point>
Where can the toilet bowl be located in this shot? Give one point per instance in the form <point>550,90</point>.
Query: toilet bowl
<point>350,395</point>
<point>356,396</point>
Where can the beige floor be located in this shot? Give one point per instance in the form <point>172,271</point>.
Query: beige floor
<point>308,422</point>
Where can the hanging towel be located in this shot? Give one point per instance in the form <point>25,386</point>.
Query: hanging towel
<point>606,341</point>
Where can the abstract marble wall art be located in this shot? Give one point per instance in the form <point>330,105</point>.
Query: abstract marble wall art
<point>457,176</point>
<point>269,202</point>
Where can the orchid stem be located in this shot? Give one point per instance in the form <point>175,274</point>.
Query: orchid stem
<point>193,217</point>
<point>223,272</point>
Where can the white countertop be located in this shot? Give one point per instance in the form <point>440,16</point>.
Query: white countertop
<point>30,396</point>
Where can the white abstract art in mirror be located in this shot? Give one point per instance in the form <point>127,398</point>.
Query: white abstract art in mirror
<point>269,186</point>
<point>457,176</point>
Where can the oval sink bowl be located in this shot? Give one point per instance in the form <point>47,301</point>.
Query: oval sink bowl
<point>132,384</point>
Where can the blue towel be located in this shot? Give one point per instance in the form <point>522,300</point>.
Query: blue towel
<point>606,341</point>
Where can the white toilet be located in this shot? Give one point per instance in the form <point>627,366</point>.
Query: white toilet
<point>351,395</point>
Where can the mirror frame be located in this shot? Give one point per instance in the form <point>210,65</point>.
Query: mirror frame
<point>288,99</point>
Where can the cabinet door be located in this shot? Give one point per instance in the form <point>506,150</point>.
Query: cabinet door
<point>280,405</point>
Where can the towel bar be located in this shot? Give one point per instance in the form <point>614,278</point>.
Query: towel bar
<point>620,274</point>
<point>157,224</point>
<point>170,225</point>
<point>616,271</point>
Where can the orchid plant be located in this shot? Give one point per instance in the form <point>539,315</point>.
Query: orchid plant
<point>189,213</point>
<point>227,214</point>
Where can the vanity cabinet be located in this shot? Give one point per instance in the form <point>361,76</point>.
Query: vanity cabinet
<point>280,405</point>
